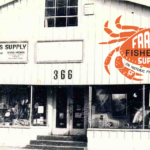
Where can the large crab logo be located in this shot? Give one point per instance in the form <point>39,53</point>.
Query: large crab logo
<point>135,49</point>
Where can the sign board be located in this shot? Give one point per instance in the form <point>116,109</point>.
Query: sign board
<point>59,51</point>
<point>13,52</point>
<point>135,50</point>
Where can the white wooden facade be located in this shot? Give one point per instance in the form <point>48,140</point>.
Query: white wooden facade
<point>23,20</point>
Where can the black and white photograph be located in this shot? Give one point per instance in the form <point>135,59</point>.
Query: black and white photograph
<point>74,74</point>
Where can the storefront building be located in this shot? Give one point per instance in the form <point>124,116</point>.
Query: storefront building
<point>63,72</point>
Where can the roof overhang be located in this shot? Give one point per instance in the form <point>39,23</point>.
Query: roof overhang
<point>142,2</point>
<point>5,2</point>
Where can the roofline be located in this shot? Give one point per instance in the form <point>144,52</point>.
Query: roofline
<point>2,3</point>
<point>141,2</point>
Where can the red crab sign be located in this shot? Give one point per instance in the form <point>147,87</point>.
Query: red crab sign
<point>135,49</point>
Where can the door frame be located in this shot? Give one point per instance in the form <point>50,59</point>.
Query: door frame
<point>69,129</point>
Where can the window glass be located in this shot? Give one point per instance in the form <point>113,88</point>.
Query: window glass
<point>61,13</point>
<point>50,12</point>
<point>15,105</point>
<point>72,2</point>
<point>60,22</point>
<point>39,106</point>
<point>61,107</point>
<point>72,21</point>
<point>60,3</point>
<point>78,108</point>
<point>117,107</point>
<point>50,22</point>
<point>50,3</point>
<point>72,11</point>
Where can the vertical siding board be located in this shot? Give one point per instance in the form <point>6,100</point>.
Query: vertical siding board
<point>137,135</point>
<point>88,51</point>
<point>121,135</point>
<point>41,74</point>
<point>48,74</point>
<point>113,135</point>
<point>28,69</point>
<point>76,74</point>
<point>34,74</point>
<point>98,48</point>
<point>63,33</point>
<point>121,11</point>
<point>149,27</point>
<point>144,135</point>
<point>41,13</point>
<point>69,33</point>
<point>21,69</point>
<point>63,75</point>
<point>137,22</point>
<point>112,26</point>
<point>69,67</point>
<point>145,23</point>
<point>91,61</point>
<point>128,135</point>
<point>2,73</point>
<point>56,34</point>
<point>4,24</point>
<point>106,37</point>
<point>83,73</point>
<point>129,21</point>
<point>105,135</point>
<point>13,72</point>
<point>17,18</point>
<point>55,67</point>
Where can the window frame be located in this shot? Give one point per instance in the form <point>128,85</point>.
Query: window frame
<point>55,16</point>
<point>119,129</point>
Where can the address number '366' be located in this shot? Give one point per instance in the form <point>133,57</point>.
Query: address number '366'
<point>62,74</point>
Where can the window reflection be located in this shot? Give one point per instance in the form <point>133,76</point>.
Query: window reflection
<point>15,105</point>
<point>117,107</point>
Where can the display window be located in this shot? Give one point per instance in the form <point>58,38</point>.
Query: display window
<point>39,106</point>
<point>15,105</point>
<point>21,106</point>
<point>120,107</point>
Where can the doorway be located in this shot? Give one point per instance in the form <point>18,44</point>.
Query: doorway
<point>69,109</point>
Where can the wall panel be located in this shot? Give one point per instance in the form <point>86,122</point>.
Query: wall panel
<point>111,139</point>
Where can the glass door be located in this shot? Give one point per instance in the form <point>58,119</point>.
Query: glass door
<point>77,122</point>
<point>60,113</point>
<point>69,111</point>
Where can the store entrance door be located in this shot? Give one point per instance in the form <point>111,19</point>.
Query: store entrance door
<point>69,111</point>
